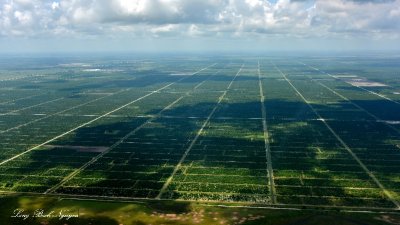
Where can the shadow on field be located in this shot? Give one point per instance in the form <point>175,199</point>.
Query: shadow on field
<point>152,78</point>
<point>356,89</point>
<point>384,110</point>
<point>303,157</point>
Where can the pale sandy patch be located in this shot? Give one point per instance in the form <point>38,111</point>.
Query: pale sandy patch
<point>345,76</point>
<point>365,83</point>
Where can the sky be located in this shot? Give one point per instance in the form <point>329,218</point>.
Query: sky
<point>198,25</point>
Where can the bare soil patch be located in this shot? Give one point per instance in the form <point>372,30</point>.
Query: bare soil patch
<point>364,83</point>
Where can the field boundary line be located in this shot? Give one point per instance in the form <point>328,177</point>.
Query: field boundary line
<point>356,105</point>
<point>99,117</point>
<point>82,197</point>
<point>355,157</point>
<point>66,110</point>
<point>151,119</point>
<point>371,92</point>
<point>272,189</point>
<point>32,106</point>
<point>59,112</point>
<point>22,98</point>
<point>178,166</point>
<point>94,159</point>
<point>46,102</point>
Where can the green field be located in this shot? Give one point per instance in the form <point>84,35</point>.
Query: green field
<point>84,212</point>
<point>306,133</point>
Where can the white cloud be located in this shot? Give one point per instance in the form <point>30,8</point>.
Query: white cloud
<point>55,5</point>
<point>340,16</point>
<point>23,18</point>
<point>212,18</point>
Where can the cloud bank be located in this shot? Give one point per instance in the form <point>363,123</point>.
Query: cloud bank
<point>229,19</point>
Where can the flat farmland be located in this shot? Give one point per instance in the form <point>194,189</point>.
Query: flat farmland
<point>270,131</point>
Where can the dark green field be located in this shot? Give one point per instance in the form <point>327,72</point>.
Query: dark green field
<point>306,133</point>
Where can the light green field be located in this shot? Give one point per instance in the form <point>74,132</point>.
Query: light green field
<point>168,212</point>
<point>301,132</point>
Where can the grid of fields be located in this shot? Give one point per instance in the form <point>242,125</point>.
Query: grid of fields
<point>295,131</point>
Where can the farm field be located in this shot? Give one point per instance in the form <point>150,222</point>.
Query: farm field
<point>299,132</point>
<point>172,212</point>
